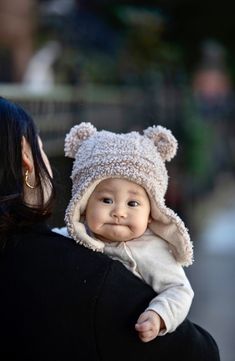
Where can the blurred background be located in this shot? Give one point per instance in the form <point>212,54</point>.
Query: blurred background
<point>126,65</point>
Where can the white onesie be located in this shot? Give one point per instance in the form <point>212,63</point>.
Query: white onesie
<point>150,258</point>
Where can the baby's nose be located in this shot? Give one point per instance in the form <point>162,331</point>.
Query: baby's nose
<point>119,212</point>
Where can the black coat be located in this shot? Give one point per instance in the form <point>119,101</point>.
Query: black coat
<point>61,301</point>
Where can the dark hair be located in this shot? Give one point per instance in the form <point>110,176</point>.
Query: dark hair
<point>14,212</point>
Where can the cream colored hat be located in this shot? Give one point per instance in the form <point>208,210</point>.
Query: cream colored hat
<point>139,158</point>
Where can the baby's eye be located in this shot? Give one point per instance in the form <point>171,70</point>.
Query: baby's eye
<point>133,204</point>
<point>107,200</point>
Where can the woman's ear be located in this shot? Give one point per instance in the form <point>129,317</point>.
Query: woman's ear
<point>27,157</point>
<point>149,220</point>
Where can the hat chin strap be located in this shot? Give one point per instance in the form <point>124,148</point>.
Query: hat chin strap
<point>180,245</point>
<point>77,228</point>
<point>84,238</point>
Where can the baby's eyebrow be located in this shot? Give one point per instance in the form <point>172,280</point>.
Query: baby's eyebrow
<point>104,190</point>
<point>136,194</point>
<point>110,190</point>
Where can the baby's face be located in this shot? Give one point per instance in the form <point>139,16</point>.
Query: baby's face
<point>118,210</point>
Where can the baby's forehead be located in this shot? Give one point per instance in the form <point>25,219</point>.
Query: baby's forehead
<point>119,185</point>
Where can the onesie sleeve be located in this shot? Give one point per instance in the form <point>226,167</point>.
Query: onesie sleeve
<point>158,268</point>
<point>121,299</point>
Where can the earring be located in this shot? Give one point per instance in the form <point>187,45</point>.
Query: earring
<point>26,180</point>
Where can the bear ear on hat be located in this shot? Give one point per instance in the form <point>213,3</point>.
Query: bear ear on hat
<point>76,136</point>
<point>164,141</point>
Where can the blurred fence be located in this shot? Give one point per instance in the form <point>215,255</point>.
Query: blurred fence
<point>112,108</point>
<point>53,111</point>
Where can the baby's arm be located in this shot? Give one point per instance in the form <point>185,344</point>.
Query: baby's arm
<point>159,269</point>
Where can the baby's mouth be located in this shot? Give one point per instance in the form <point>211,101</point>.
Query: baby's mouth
<point>116,224</point>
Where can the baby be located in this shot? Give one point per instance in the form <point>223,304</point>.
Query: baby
<point>118,208</point>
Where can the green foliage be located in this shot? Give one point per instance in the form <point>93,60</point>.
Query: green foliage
<point>140,52</point>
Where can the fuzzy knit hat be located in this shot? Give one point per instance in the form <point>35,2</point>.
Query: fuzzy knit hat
<point>138,158</point>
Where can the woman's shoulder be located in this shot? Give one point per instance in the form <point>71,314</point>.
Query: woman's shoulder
<point>41,243</point>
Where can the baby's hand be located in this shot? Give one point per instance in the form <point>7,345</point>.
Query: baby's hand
<point>148,325</point>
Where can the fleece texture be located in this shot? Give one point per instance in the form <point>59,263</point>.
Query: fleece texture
<point>139,158</point>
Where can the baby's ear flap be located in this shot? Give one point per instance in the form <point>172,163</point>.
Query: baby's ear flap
<point>164,141</point>
<point>76,136</point>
